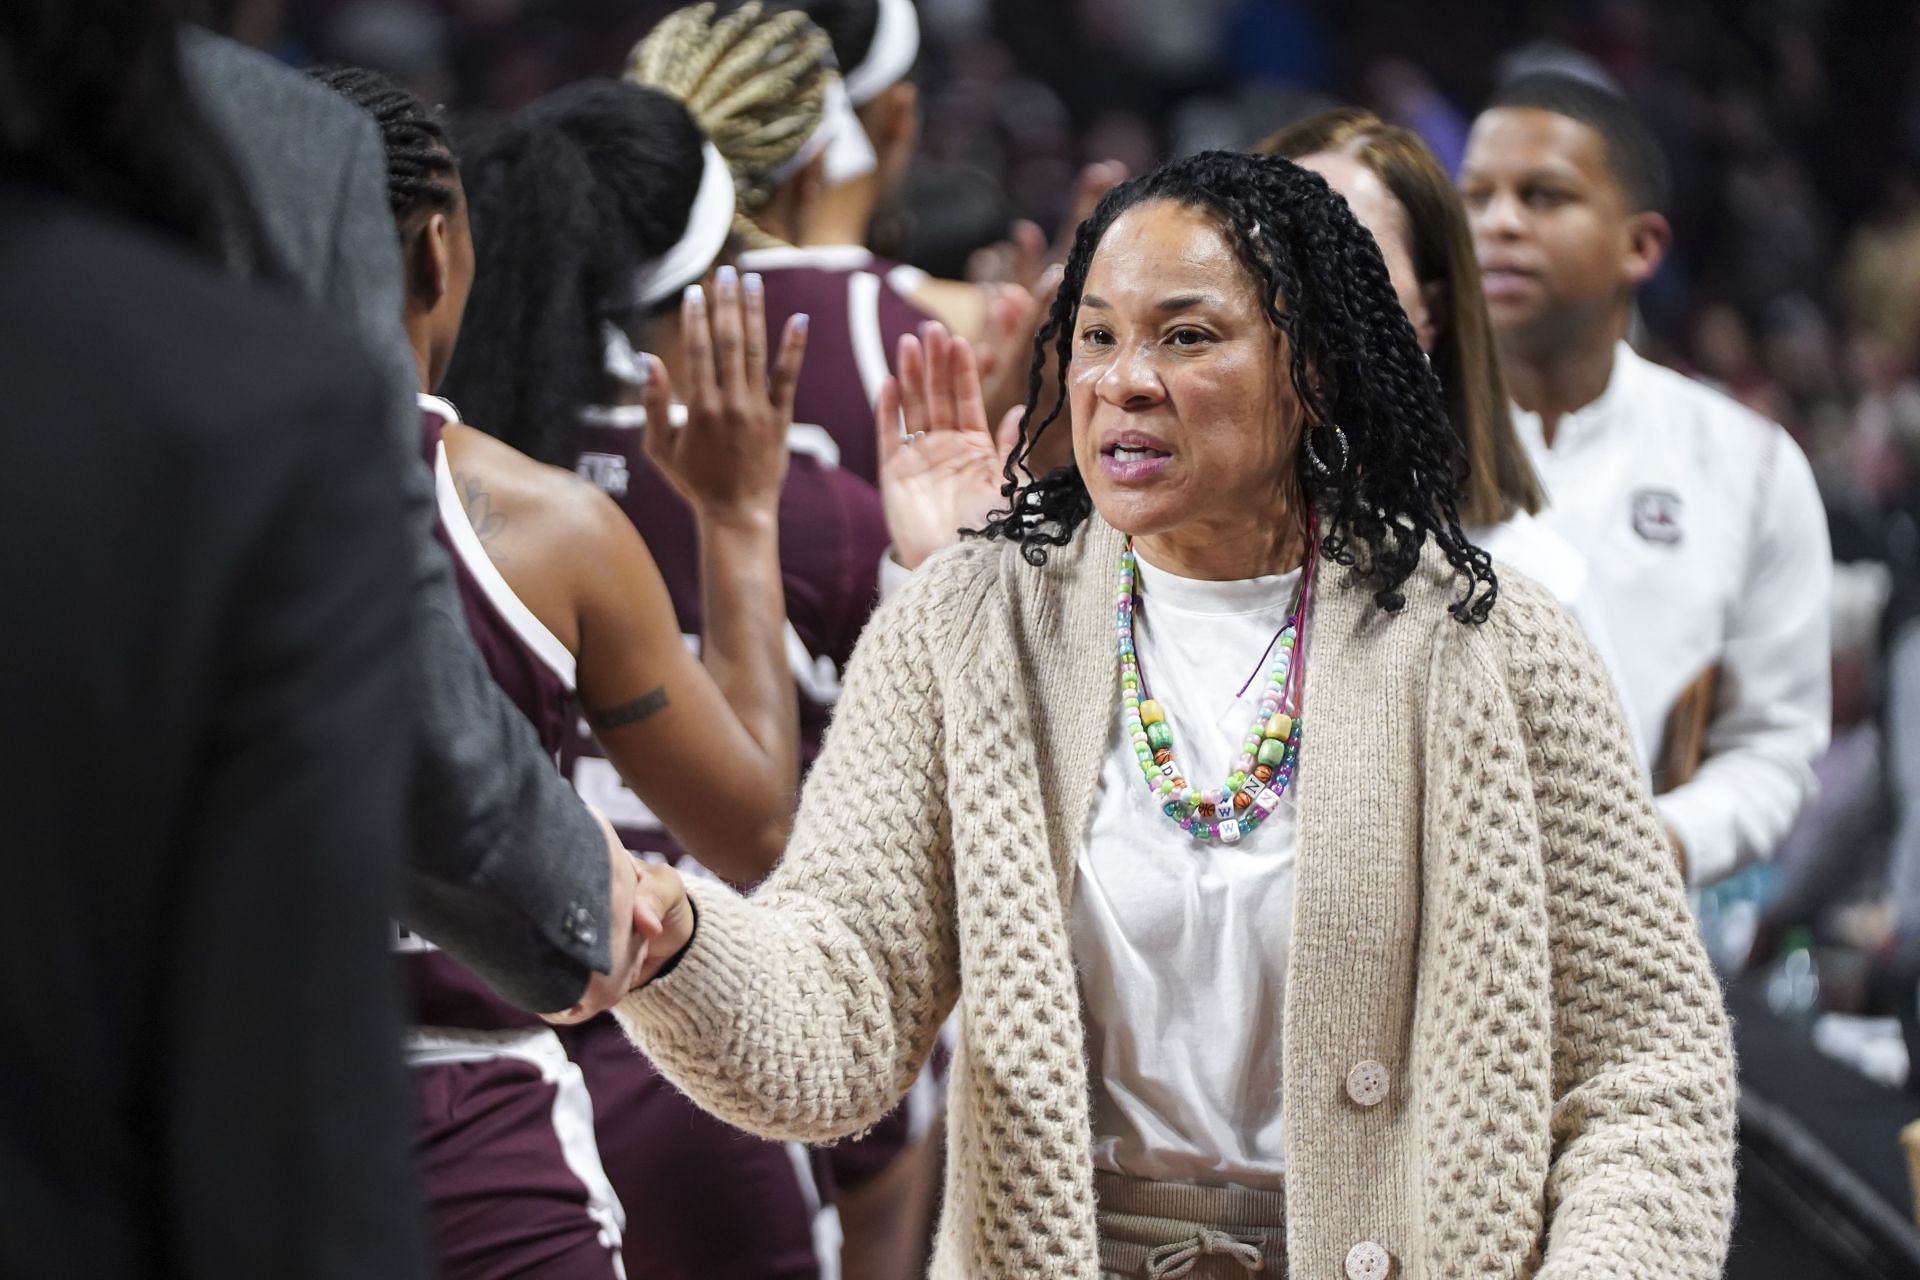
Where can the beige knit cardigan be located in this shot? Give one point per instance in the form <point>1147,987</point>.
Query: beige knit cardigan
<point>1485,904</point>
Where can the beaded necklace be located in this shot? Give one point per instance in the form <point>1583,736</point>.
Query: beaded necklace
<point>1270,751</point>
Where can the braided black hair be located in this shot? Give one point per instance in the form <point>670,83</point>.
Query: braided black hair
<point>570,197</point>
<point>1390,476</point>
<point>421,163</point>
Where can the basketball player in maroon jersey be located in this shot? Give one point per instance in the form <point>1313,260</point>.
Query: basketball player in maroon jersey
<point>600,203</point>
<point>1010,284</point>
<point>859,311</point>
<point>569,609</point>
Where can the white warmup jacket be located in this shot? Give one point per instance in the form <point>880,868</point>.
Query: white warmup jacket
<point>1707,543</point>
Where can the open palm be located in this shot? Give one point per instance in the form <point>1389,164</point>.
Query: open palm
<point>941,468</point>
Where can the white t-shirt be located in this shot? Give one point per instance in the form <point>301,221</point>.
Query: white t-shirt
<point>1707,544</point>
<point>1182,946</point>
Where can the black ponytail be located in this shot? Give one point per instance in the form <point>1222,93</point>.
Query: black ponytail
<point>569,197</point>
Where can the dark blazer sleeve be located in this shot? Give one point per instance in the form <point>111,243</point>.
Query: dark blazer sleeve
<point>280,1092</point>
<point>509,870</point>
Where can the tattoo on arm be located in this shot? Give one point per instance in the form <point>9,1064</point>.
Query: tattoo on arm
<point>487,523</point>
<point>629,712</point>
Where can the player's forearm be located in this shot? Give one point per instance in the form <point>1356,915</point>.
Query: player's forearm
<point>744,642</point>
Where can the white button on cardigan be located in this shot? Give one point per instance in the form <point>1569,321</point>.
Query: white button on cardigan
<point>1368,1261</point>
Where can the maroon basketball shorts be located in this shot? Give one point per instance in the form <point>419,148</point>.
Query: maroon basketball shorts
<point>704,1201</point>
<point>514,1183</point>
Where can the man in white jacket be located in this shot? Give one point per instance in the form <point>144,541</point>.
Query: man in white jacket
<point>1699,519</point>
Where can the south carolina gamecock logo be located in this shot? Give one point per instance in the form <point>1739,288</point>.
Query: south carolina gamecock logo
<point>1656,515</point>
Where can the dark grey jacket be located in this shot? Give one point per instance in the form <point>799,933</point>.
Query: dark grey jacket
<point>202,809</point>
<point>509,870</point>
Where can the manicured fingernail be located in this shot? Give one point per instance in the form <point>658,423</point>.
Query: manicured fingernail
<point>695,295</point>
<point>752,282</point>
<point>726,277</point>
<point>800,321</point>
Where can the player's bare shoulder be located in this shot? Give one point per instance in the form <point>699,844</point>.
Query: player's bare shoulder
<point>513,501</point>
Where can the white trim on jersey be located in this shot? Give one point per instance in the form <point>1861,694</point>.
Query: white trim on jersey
<point>803,438</point>
<point>824,1218</point>
<point>466,544</point>
<point>907,280</point>
<point>572,1109</point>
<point>813,672</point>
<point>819,257</point>
<point>863,297</point>
<point>814,442</point>
<point>863,330</point>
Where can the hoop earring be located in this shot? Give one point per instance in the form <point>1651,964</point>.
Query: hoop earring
<point>1319,463</point>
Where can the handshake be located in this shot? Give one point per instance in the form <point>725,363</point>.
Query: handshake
<point>651,920</point>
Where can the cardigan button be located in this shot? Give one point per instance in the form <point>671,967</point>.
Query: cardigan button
<point>1367,1083</point>
<point>1368,1261</point>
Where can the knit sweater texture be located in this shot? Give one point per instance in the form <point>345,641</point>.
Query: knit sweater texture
<point>1485,904</point>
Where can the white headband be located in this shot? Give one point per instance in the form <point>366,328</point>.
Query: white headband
<point>839,134</point>
<point>707,227</point>
<point>620,360</point>
<point>896,43</point>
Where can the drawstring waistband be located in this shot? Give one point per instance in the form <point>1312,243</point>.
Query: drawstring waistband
<point>1171,1261</point>
<point>1168,1230</point>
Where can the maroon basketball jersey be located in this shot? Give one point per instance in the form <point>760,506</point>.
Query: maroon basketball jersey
<point>537,674</point>
<point>763,1198</point>
<point>857,319</point>
<point>832,535</point>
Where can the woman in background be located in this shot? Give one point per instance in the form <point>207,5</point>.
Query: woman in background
<point>1397,189</point>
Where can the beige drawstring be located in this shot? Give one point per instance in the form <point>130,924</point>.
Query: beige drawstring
<point>1171,1261</point>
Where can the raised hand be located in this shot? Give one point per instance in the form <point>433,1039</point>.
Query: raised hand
<point>1091,187</point>
<point>730,458</point>
<point>944,472</point>
<point>1025,255</point>
<point>1019,258</point>
<point>1014,316</point>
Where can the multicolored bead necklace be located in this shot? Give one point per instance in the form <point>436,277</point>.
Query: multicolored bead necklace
<point>1270,751</point>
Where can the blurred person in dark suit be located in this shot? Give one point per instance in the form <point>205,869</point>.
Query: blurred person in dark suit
<point>508,870</point>
<point>203,787</point>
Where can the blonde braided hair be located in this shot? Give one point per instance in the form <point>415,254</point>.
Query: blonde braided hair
<point>755,85</point>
